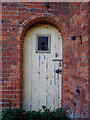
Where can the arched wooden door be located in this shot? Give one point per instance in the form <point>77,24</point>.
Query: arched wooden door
<point>42,62</point>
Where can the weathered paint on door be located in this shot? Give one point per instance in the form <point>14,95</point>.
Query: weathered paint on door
<point>41,84</point>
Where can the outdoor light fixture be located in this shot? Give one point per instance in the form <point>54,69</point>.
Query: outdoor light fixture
<point>47,4</point>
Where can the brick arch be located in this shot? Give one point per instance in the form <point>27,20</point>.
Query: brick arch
<point>47,18</point>
<point>39,18</point>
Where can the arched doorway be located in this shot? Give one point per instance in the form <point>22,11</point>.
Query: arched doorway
<point>42,62</point>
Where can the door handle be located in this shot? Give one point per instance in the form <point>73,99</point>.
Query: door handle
<point>58,71</point>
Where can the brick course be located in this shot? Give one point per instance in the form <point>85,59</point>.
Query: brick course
<point>72,20</point>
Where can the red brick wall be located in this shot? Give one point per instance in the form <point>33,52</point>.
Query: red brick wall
<point>0,57</point>
<point>72,20</point>
<point>76,62</point>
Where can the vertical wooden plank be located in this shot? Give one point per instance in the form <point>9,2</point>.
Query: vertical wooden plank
<point>26,77</point>
<point>42,96</point>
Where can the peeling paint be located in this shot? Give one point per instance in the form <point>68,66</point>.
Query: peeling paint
<point>40,70</point>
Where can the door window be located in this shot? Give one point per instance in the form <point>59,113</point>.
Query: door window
<point>43,43</point>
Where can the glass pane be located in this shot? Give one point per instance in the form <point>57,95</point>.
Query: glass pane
<point>43,43</point>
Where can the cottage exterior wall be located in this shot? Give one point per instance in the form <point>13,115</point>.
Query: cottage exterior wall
<point>72,19</point>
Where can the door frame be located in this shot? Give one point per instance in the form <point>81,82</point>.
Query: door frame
<point>39,18</point>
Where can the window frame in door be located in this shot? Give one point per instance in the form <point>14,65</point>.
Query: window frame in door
<point>49,43</point>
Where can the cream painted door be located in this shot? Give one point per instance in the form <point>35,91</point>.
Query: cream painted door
<point>42,79</point>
